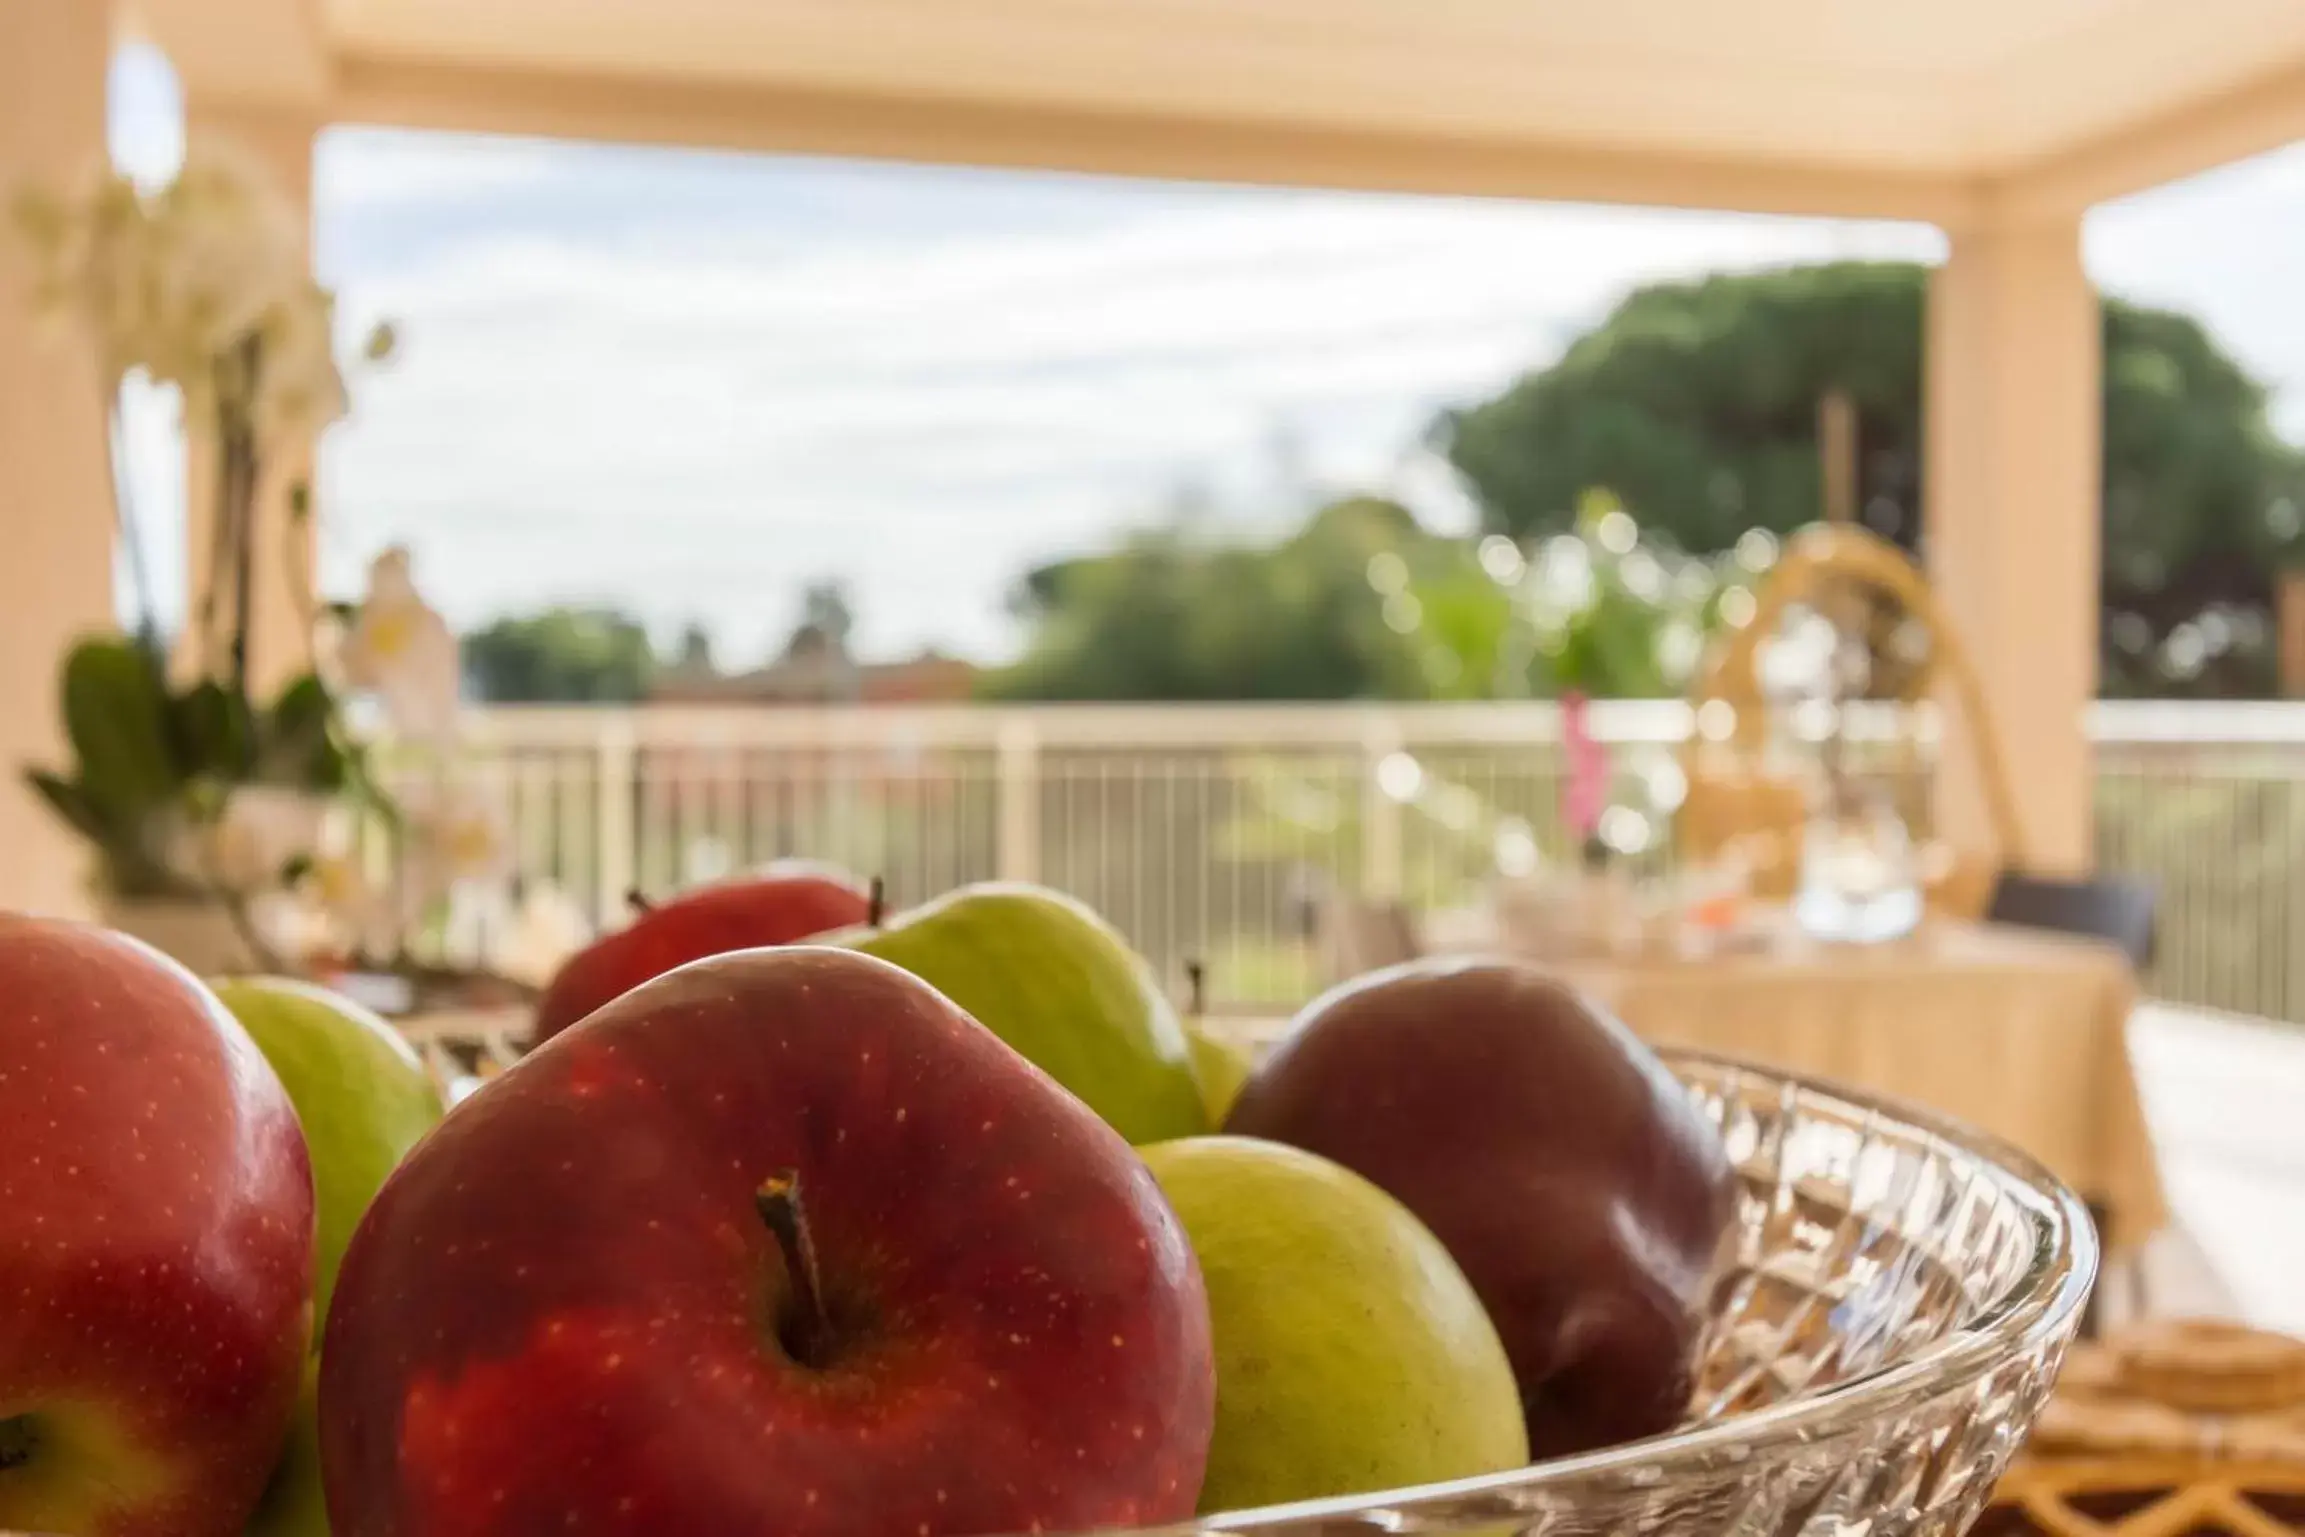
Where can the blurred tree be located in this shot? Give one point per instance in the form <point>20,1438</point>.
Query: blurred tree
<point>1171,617</point>
<point>818,645</point>
<point>561,656</point>
<point>1697,403</point>
<point>694,654</point>
<point>1359,603</point>
<point>826,619</point>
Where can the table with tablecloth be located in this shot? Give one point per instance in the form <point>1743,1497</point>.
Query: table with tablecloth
<point>2020,1033</point>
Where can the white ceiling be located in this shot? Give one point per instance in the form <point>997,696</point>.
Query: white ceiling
<point>1919,85</point>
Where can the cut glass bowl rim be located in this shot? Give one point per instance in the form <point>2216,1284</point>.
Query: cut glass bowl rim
<point>2038,1307</point>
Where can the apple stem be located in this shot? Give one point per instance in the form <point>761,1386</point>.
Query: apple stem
<point>1197,985</point>
<point>806,1329</point>
<point>637,900</point>
<point>876,903</point>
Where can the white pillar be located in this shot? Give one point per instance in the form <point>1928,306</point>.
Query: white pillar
<point>2013,415</point>
<point>55,492</point>
<point>279,140</point>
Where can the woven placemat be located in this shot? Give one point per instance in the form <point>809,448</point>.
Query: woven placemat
<point>2171,1428</point>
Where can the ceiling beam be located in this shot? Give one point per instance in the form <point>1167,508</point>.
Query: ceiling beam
<point>265,53</point>
<point>772,119</point>
<point>2250,119</point>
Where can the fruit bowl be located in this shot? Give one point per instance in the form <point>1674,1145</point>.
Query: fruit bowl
<point>1900,1297</point>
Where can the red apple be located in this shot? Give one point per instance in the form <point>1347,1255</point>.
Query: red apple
<point>781,904</point>
<point>1565,1169</point>
<point>155,1244</point>
<point>783,1242</point>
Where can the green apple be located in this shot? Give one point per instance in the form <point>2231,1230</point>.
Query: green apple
<point>1351,1352</point>
<point>1221,1067</point>
<point>364,1098</point>
<point>1059,985</point>
<point>359,1089</point>
<point>294,1503</point>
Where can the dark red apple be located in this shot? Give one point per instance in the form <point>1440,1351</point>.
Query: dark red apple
<point>780,904</point>
<point>1568,1173</point>
<point>783,1242</point>
<point>155,1244</point>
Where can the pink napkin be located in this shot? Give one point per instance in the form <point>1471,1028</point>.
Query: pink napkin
<point>1586,791</point>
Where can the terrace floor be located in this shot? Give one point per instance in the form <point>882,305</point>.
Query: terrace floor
<point>2226,1099</point>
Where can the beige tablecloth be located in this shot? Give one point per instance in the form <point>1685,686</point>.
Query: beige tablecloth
<point>2019,1033</point>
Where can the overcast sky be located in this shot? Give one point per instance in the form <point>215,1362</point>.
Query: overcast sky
<point>685,384</point>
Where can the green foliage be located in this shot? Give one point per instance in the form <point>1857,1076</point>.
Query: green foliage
<point>214,730</point>
<point>1362,603</point>
<point>694,653</point>
<point>1169,617</point>
<point>1697,402</point>
<point>147,759</point>
<point>561,656</point>
<point>1615,616</point>
<point>71,803</point>
<point>299,742</point>
<point>1596,610</point>
<point>116,716</point>
<point>1464,643</point>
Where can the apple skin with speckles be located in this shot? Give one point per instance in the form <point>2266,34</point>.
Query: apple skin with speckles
<point>568,1312</point>
<point>779,904</point>
<point>156,1244</point>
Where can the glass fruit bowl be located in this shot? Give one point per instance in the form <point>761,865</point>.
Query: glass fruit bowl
<point>1901,1294</point>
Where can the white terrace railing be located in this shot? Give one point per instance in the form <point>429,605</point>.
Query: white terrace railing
<point>1212,831</point>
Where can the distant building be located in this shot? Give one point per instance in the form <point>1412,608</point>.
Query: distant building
<point>816,669</point>
<point>765,800</point>
<point>768,799</point>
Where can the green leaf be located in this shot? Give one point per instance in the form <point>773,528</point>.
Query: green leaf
<point>303,705</point>
<point>128,866</point>
<point>300,738</point>
<point>66,799</point>
<point>116,712</point>
<point>215,732</point>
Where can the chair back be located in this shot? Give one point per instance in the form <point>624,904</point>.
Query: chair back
<point>2115,909</point>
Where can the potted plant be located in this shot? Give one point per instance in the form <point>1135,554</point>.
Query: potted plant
<point>194,802</point>
<point>207,801</point>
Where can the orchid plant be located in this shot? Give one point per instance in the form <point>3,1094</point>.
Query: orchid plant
<point>196,787</point>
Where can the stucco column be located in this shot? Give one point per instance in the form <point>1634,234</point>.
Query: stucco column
<point>279,141</point>
<point>55,492</point>
<point>2013,415</point>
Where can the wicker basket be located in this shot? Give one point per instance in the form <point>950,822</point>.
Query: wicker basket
<point>2179,1428</point>
<point>1735,796</point>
